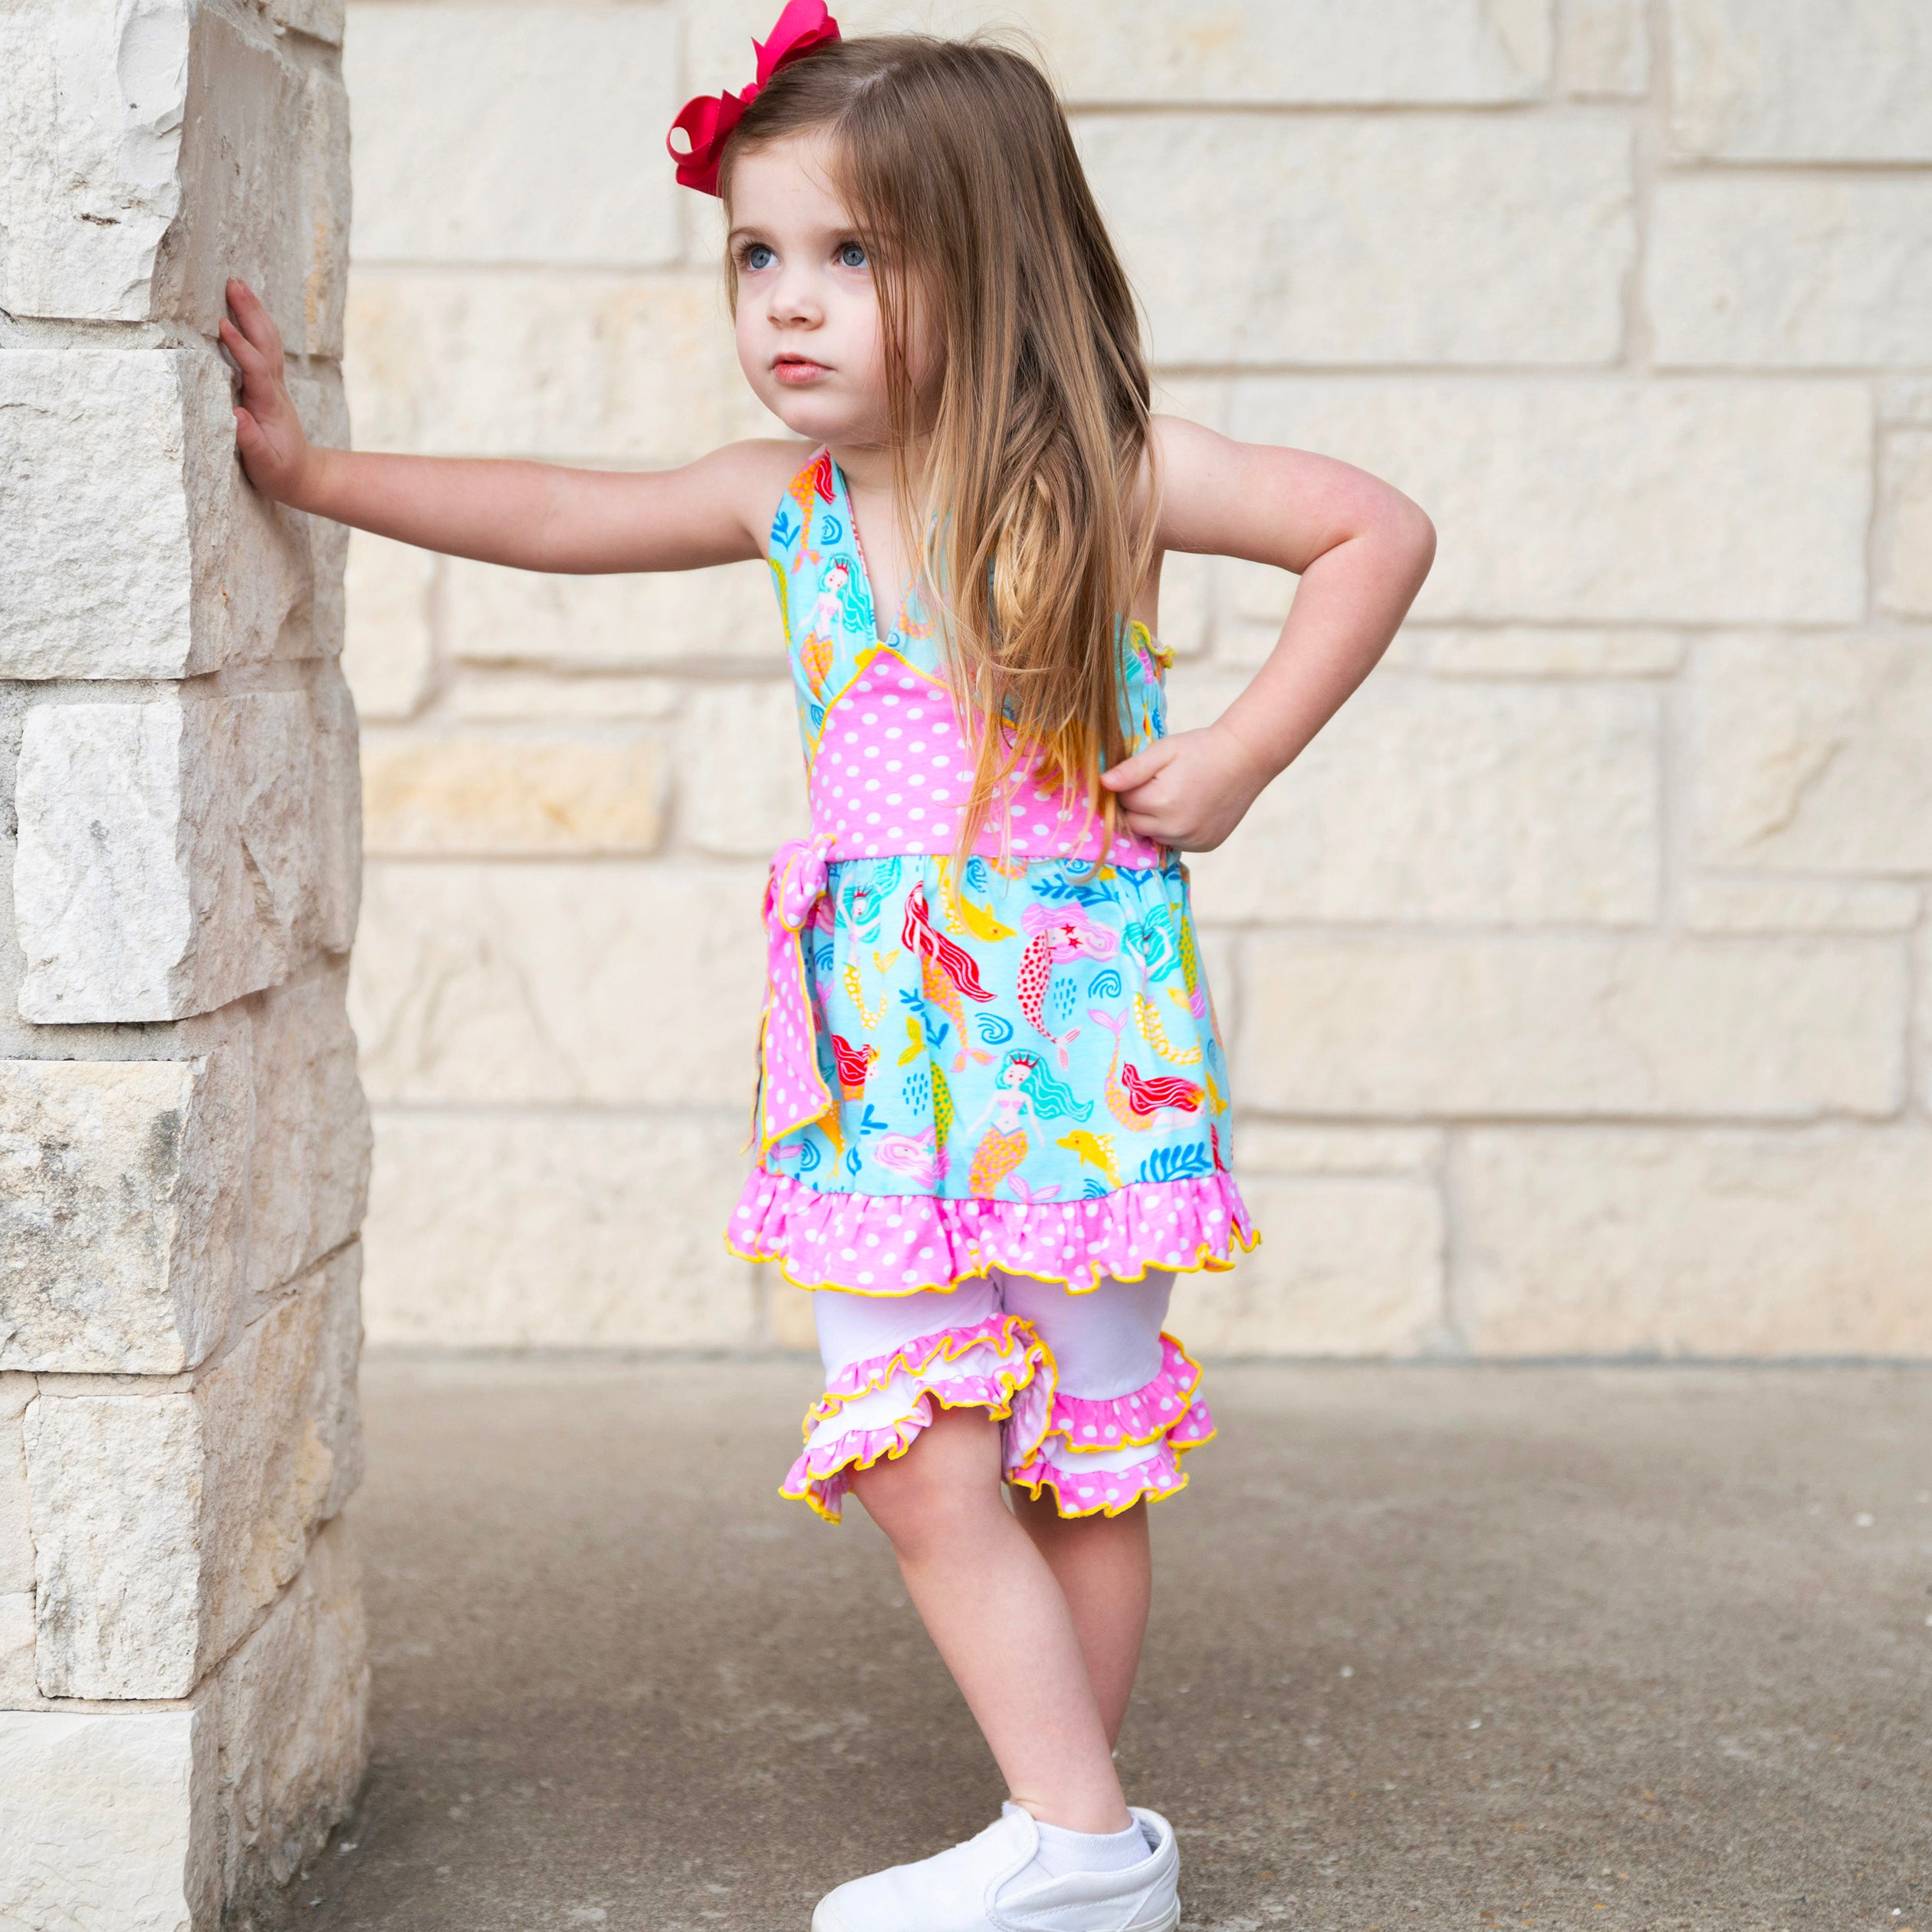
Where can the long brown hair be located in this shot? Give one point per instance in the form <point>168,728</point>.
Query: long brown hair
<point>1032,521</point>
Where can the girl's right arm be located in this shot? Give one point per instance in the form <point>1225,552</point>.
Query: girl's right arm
<point>534,516</point>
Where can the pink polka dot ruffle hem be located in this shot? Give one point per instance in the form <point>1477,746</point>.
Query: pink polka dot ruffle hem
<point>898,1244</point>
<point>1167,1417</point>
<point>1079,1492</point>
<point>1166,1409</point>
<point>1076,1445</point>
<point>998,1365</point>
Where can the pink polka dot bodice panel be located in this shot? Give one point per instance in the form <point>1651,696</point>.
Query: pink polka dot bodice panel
<point>892,770</point>
<point>890,767</point>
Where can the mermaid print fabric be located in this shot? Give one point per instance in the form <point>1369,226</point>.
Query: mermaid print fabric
<point>1017,1058</point>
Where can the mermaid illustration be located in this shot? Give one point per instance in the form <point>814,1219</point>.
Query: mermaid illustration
<point>1055,934</point>
<point>1023,1087</point>
<point>831,614</point>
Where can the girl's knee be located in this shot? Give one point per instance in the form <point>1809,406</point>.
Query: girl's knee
<point>943,1484</point>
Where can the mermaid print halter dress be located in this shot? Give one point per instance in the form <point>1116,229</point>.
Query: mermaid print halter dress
<point>1010,1065</point>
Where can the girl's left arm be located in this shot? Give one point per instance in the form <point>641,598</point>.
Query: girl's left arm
<point>1361,549</point>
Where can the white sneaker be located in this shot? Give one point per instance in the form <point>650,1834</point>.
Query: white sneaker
<point>976,1887</point>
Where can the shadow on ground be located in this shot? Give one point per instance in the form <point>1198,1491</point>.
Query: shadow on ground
<point>1616,1649</point>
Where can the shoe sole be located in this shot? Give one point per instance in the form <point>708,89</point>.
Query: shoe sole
<point>825,1921</point>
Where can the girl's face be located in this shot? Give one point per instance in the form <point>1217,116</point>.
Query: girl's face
<point>809,335</point>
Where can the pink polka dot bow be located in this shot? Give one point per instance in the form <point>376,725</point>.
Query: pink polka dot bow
<point>706,122</point>
<point>791,1090</point>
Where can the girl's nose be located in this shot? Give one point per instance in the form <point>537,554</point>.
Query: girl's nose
<point>793,301</point>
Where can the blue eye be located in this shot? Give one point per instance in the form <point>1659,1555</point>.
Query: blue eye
<point>851,255</point>
<point>757,256</point>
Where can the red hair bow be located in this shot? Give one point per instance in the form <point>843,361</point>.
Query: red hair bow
<point>707,122</point>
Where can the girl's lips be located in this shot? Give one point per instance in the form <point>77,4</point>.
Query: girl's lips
<point>798,369</point>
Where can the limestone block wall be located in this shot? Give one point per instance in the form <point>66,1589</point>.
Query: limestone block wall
<point>1577,977</point>
<point>183,1140</point>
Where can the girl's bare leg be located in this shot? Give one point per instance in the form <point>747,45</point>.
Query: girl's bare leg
<point>1104,1569</point>
<point>1001,1621</point>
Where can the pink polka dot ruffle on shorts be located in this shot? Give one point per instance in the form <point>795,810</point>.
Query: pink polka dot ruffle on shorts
<point>1081,1448</point>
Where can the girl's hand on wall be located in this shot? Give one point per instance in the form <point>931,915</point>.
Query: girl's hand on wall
<point>267,431</point>
<point>1189,789</point>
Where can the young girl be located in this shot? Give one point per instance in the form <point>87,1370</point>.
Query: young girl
<point>991,1124</point>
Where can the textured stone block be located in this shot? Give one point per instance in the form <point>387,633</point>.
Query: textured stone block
<point>166,1523</point>
<point>254,142</point>
<point>1904,541</point>
<point>541,143</point>
<point>1810,753</point>
<point>319,19</point>
<point>742,769</point>
<point>1318,51</point>
<point>618,984</point>
<point>318,630</point>
<point>1187,596</point>
<point>122,1228</point>
<point>308,1179</point>
<point>472,793</point>
<point>1797,905</point>
<point>109,1820</point>
<point>1515,651</point>
<point>91,109</point>
<point>1794,80</point>
<point>389,653</point>
<point>1346,1267</point>
<point>327,200</point>
<point>1429,239</point>
<point>16,1534</point>
<point>1270,1147</point>
<point>18,1689</point>
<point>1519,1027</point>
<point>1922,1019</point>
<point>1606,48</point>
<point>1607,501</point>
<point>177,852</point>
<point>697,617</point>
<point>550,364</point>
<point>148,156</point>
<point>1759,270</point>
<point>116,1484</point>
<point>1713,1243</point>
<point>1477,812</point>
<point>1905,399</point>
<point>294,1702</point>
<point>500,697</point>
<point>596,1230</point>
<point>135,548</point>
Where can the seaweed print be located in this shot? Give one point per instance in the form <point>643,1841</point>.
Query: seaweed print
<point>1056,936</point>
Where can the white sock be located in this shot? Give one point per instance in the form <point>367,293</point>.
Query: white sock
<point>1062,1853</point>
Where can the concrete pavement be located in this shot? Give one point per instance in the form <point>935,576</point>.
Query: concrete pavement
<point>1613,1649</point>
